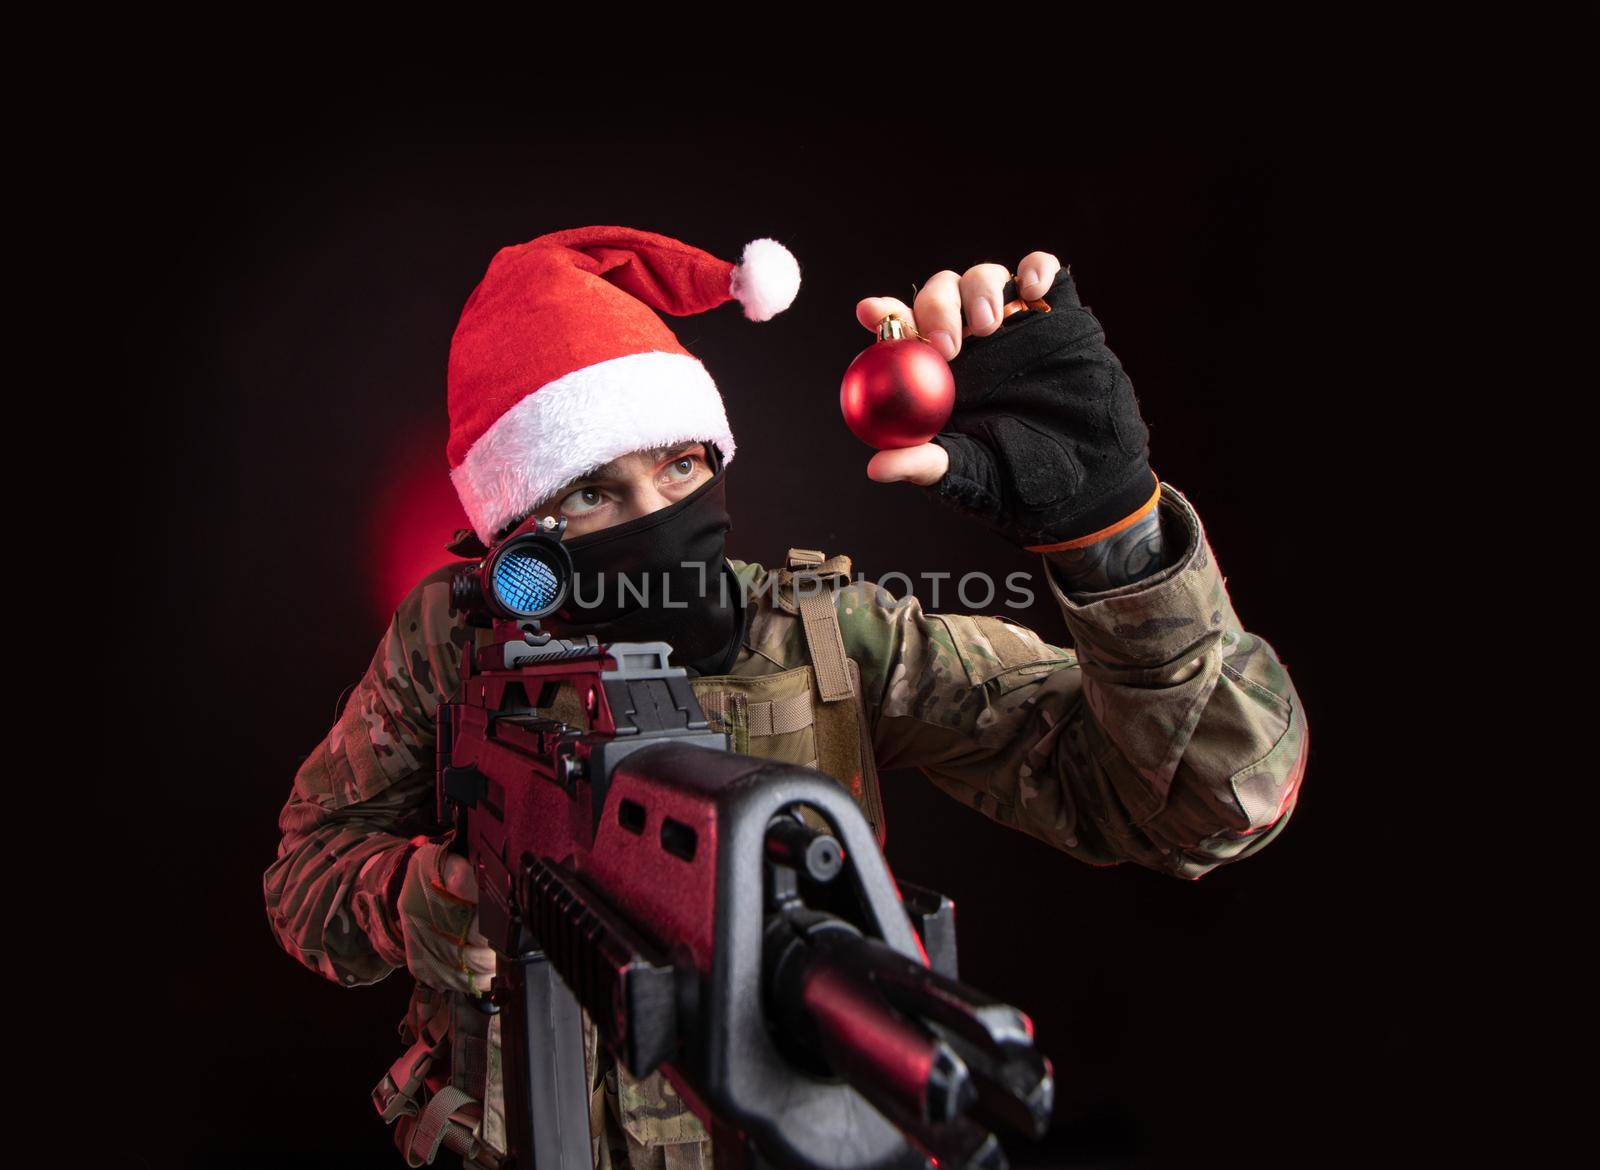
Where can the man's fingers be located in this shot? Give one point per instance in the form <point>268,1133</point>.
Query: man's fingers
<point>459,878</point>
<point>951,306</point>
<point>982,297</point>
<point>480,960</point>
<point>939,312</point>
<point>1036,272</point>
<point>937,315</point>
<point>924,465</point>
<point>479,975</point>
<point>871,311</point>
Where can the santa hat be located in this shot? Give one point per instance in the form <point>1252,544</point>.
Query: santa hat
<point>560,364</point>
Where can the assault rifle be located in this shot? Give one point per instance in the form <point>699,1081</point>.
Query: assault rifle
<point>727,920</point>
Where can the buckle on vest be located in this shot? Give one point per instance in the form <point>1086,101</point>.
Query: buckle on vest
<point>395,1095</point>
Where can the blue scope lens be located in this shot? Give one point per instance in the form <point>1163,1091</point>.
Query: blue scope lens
<point>525,583</point>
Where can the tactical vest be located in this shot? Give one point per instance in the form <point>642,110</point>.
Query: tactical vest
<point>445,1090</point>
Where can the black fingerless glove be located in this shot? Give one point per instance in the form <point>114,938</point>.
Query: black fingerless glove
<point>1046,443</point>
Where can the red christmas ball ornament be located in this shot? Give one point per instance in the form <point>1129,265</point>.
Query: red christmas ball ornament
<point>899,391</point>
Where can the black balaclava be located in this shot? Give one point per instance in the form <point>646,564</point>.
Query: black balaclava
<point>674,557</point>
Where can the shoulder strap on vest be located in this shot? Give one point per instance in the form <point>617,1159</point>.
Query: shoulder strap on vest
<point>807,571</point>
<point>844,742</point>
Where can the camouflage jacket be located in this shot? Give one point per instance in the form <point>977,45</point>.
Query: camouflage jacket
<point>1168,736</point>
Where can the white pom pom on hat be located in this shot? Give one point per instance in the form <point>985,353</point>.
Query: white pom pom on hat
<point>767,279</point>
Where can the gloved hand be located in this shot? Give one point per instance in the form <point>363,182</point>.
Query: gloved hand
<point>438,911</point>
<point>1045,443</point>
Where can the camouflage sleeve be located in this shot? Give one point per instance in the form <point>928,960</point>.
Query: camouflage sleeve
<point>1169,737</point>
<point>363,800</point>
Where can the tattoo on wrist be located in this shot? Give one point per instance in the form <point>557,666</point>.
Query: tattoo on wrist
<point>1128,556</point>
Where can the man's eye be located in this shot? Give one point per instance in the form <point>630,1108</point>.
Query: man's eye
<point>683,468</point>
<point>582,500</point>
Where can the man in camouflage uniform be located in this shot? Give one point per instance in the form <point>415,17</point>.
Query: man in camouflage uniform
<point>1168,736</point>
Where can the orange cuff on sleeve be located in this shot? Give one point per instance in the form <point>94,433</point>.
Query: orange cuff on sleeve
<point>1109,530</point>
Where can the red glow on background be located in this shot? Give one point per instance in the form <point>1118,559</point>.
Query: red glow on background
<point>413,511</point>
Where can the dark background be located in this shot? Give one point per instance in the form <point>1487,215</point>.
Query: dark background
<point>291,303</point>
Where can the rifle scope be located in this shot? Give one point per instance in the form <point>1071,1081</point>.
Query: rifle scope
<point>525,577</point>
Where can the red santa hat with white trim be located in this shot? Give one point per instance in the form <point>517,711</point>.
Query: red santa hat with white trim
<point>560,363</point>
